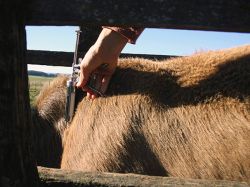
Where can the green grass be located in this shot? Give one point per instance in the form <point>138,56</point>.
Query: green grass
<point>35,85</point>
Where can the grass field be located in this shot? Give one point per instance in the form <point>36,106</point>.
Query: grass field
<point>35,85</point>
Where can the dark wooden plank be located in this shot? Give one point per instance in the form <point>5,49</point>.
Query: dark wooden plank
<point>50,58</point>
<point>17,164</point>
<point>57,177</point>
<point>88,37</point>
<point>54,58</point>
<point>214,15</point>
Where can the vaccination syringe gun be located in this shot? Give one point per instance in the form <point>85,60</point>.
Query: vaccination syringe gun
<point>70,99</point>
<point>71,83</point>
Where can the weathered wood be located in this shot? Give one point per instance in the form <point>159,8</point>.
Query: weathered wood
<point>88,37</point>
<point>54,58</point>
<point>51,58</point>
<point>57,177</point>
<point>17,165</point>
<point>216,15</point>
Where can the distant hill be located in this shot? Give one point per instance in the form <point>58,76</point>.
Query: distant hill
<point>42,74</point>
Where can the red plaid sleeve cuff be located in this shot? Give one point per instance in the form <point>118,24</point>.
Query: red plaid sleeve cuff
<point>131,33</point>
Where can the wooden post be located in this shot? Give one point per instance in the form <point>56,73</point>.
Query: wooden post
<point>17,165</point>
<point>87,38</point>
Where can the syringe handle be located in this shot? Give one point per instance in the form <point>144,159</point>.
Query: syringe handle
<point>70,101</point>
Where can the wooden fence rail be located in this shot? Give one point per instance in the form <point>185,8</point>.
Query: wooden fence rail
<point>219,15</point>
<point>214,15</point>
<point>55,177</point>
<point>58,58</point>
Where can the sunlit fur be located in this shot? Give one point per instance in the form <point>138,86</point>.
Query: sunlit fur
<point>185,117</point>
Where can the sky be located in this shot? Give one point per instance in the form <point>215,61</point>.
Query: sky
<point>151,41</point>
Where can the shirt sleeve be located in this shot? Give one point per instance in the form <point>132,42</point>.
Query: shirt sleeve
<point>131,33</point>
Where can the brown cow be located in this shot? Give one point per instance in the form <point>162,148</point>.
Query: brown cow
<point>185,117</point>
<point>49,123</point>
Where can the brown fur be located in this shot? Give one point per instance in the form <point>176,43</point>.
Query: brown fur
<point>184,117</point>
<point>49,123</point>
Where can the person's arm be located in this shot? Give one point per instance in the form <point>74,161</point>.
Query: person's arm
<point>106,50</point>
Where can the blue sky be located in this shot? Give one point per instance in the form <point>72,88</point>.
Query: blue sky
<point>152,41</point>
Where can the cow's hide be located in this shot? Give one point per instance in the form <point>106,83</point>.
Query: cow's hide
<point>183,117</point>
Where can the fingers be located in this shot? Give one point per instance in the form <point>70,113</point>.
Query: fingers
<point>98,86</point>
<point>84,74</point>
<point>83,79</point>
<point>95,82</point>
<point>89,63</point>
<point>91,96</point>
<point>94,75</point>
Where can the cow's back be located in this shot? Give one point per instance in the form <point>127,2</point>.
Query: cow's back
<point>184,117</point>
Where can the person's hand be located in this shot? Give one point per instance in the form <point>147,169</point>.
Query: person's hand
<point>101,61</point>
